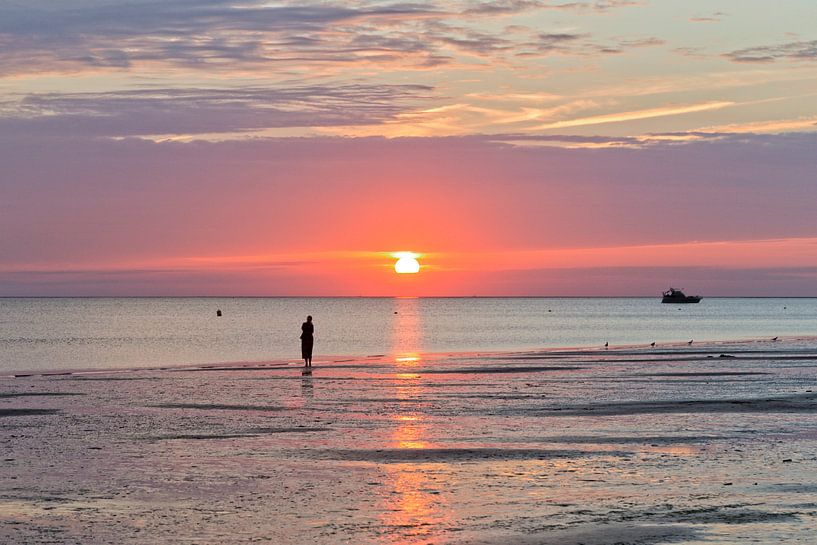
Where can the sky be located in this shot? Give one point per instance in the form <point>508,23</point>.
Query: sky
<point>519,147</point>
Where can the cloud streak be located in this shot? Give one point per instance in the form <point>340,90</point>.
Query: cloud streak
<point>174,111</point>
<point>635,115</point>
<point>222,35</point>
<point>205,34</point>
<point>792,51</point>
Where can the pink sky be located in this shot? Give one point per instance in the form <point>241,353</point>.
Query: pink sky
<point>322,216</point>
<point>598,147</point>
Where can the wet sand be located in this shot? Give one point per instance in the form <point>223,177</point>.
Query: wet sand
<point>602,447</point>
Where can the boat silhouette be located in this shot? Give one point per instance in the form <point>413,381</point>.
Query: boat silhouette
<point>674,295</point>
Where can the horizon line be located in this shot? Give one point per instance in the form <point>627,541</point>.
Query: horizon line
<point>624,296</point>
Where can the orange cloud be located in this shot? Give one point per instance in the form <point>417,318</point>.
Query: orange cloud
<point>789,252</point>
<point>770,126</point>
<point>372,272</point>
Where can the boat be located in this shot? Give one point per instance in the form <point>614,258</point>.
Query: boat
<point>674,295</point>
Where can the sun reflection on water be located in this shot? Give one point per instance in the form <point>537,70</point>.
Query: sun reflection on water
<point>407,359</point>
<point>414,509</point>
<point>412,427</point>
<point>414,505</point>
<point>406,332</point>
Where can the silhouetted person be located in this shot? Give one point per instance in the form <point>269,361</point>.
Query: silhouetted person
<point>307,329</point>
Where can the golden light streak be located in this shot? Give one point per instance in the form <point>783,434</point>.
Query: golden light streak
<point>793,252</point>
<point>783,252</point>
<point>770,126</point>
<point>635,115</point>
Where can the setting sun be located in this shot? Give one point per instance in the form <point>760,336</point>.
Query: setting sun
<point>406,263</point>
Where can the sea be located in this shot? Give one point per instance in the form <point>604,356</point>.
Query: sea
<point>465,421</point>
<point>54,334</point>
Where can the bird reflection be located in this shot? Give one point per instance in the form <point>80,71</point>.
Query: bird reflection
<point>406,331</point>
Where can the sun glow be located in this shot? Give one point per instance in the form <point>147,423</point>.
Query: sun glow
<point>406,263</point>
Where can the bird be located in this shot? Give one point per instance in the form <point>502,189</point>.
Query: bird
<point>774,338</point>
<point>652,344</point>
<point>690,341</point>
<point>606,344</point>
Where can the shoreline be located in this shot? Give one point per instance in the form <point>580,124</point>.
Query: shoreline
<point>704,347</point>
<point>570,446</point>
<point>48,336</point>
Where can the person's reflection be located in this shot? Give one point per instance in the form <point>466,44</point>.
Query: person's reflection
<point>307,390</point>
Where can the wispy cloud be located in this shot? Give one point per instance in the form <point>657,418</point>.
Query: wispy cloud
<point>43,36</point>
<point>594,5</point>
<point>714,17</point>
<point>634,115</point>
<point>172,111</point>
<point>205,34</point>
<point>581,44</point>
<point>502,7</point>
<point>469,117</point>
<point>773,126</point>
<point>227,67</point>
<point>794,51</point>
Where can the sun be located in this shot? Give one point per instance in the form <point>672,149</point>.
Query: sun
<point>406,263</point>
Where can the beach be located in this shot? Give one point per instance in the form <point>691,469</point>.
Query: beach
<point>388,272</point>
<point>701,443</point>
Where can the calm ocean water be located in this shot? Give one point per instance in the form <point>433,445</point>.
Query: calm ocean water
<point>86,333</point>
